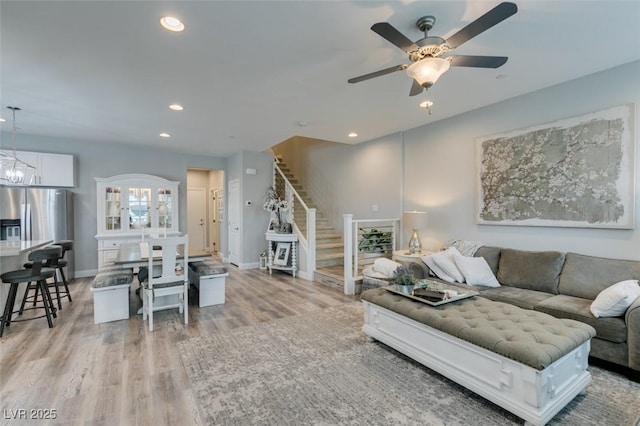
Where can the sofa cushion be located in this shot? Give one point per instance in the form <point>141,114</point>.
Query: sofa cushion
<point>491,255</point>
<point>442,263</point>
<point>476,271</point>
<point>613,301</point>
<point>586,276</point>
<point>575,308</point>
<point>516,296</point>
<point>533,270</point>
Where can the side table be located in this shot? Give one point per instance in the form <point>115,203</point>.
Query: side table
<point>273,239</point>
<point>404,257</point>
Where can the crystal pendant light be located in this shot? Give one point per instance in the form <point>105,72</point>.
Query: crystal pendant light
<point>14,171</point>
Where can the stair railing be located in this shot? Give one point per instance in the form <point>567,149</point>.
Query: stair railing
<point>306,232</point>
<point>365,240</point>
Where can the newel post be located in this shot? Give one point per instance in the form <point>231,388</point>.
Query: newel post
<point>349,282</point>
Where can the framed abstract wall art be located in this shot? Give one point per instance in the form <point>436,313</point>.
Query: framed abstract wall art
<point>576,172</point>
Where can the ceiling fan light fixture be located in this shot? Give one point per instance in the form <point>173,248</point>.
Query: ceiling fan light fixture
<point>427,71</point>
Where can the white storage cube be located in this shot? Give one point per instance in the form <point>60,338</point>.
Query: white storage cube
<point>211,289</point>
<point>110,303</point>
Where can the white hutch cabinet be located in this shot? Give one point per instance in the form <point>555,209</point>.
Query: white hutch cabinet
<point>131,206</point>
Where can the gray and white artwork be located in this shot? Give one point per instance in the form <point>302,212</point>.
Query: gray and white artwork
<point>577,172</point>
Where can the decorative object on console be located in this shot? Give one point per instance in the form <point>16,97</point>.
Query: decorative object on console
<point>274,204</point>
<point>14,171</point>
<point>579,173</point>
<point>282,254</point>
<point>415,220</point>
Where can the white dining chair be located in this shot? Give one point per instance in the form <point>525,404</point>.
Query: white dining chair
<point>171,279</point>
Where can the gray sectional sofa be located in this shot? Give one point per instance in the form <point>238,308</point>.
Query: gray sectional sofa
<point>564,285</point>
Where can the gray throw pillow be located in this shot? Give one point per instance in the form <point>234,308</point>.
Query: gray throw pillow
<point>532,270</point>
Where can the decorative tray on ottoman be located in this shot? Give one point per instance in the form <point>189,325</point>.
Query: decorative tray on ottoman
<point>433,293</point>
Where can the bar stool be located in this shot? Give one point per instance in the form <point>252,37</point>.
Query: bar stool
<point>58,265</point>
<point>36,274</point>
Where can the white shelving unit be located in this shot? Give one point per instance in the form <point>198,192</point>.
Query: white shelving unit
<point>273,239</point>
<point>131,206</point>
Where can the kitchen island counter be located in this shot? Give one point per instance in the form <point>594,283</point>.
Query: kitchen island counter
<point>15,248</point>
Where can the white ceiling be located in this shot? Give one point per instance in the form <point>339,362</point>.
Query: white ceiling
<point>248,71</point>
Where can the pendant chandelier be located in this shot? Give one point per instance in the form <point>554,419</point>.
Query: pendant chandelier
<point>14,171</point>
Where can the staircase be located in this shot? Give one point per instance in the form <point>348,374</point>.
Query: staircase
<point>329,245</point>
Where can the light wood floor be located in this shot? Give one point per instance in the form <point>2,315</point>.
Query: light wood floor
<point>119,372</point>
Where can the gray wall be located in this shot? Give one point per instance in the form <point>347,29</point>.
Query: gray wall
<point>103,160</point>
<point>433,167</point>
<point>349,178</point>
<point>440,166</point>
<point>253,219</point>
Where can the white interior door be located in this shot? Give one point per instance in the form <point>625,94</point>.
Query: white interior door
<point>233,204</point>
<point>196,217</point>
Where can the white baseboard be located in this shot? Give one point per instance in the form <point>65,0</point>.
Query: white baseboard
<point>252,265</point>
<point>86,273</point>
<point>305,275</point>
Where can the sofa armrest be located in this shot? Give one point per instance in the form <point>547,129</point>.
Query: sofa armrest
<point>632,319</point>
<point>419,269</point>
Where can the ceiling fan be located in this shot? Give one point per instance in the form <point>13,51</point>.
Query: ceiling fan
<point>427,65</point>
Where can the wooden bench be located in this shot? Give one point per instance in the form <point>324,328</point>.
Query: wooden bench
<point>527,362</point>
<point>209,278</point>
<point>110,290</point>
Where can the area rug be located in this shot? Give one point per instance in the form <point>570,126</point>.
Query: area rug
<point>318,369</point>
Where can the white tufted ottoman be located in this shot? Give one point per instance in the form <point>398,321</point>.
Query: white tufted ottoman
<point>527,362</point>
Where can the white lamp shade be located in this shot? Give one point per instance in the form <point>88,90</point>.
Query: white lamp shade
<point>427,71</point>
<point>414,219</point>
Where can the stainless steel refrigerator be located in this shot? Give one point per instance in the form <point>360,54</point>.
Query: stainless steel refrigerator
<point>29,213</point>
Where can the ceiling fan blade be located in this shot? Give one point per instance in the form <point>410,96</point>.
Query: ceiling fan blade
<point>377,73</point>
<point>416,88</point>
<point>483,23</point>
<point>477,61</point>
<point>389,33</point>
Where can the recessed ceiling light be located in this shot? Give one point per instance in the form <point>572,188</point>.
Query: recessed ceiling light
<point>353,135</point>
<point>172,24</point>
<point>2,120</point>
<point>165,135</point>
<point>176,107</point>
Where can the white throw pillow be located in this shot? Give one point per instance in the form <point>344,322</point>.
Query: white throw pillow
<point>476,271</point>
<point>444,265</point>
<point>614,301</point>
<point>428,259</point>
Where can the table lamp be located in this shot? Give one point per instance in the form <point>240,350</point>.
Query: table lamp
<point>415,220</point>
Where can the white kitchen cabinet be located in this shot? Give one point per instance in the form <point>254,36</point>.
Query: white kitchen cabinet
<point>57,170</point>
<point>51,169</point>
<point>131,207</point>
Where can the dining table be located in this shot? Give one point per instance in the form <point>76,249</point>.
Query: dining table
<point>131,255</point>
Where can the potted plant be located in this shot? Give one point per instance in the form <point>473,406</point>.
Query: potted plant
<point>274,204</point>
<point>404,280</point>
